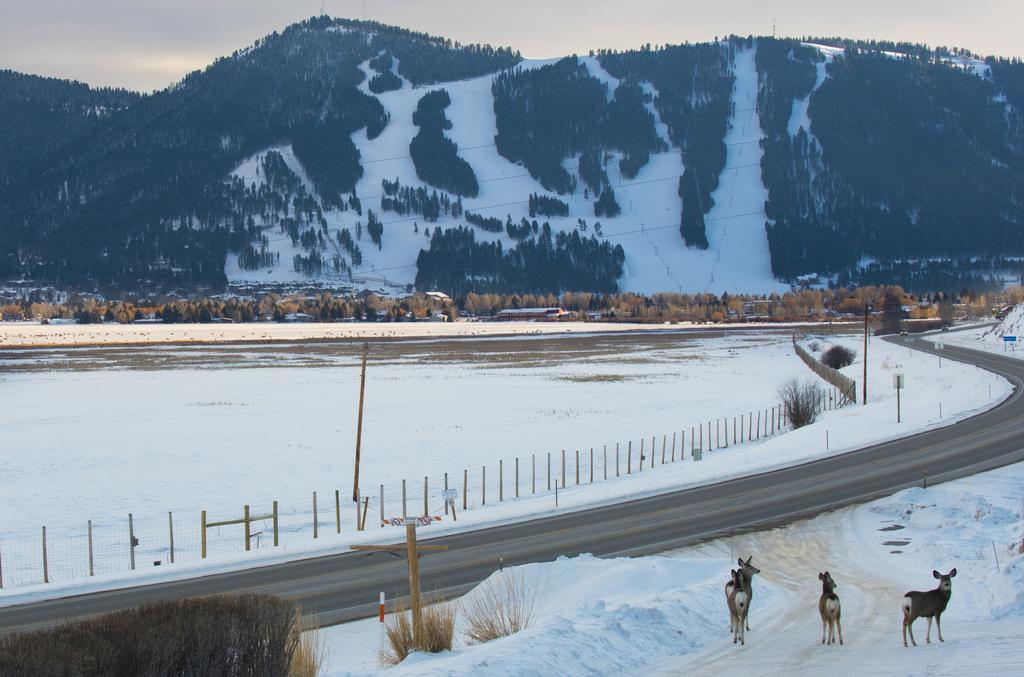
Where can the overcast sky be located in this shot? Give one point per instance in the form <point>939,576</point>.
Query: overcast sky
<point>146,44</point>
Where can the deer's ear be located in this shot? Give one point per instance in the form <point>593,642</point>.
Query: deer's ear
<point>749,558</point>
<point>740,561</point>
<point>821,576</point>
<point>952,573</point>
<point>936,574</point>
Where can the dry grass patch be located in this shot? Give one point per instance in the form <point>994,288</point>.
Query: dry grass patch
<point>437,633</point>
<point>500,606</point>
<point>308,658</point>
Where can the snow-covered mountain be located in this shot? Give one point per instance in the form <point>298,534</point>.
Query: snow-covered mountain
<point>741,165</point>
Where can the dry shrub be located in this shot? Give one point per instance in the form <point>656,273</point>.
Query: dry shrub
<point>243,635</point>
<point>838,357</point>
<point>308,659</point>
<point>499,607</point>
<point>437,633</point>
<point>800,401</point>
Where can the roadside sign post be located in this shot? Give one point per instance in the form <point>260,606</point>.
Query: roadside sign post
<point>898,383</point>
<point>450,495</point>
<point>412,551</point>
<point>1009,341</point>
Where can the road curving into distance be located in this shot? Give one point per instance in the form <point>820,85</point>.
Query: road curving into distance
<point>345,586</point>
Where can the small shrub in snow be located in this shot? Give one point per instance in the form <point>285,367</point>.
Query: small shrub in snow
<point>499,607</point>
<point>814,346</point>
<point>308,659</point>
<point>800,401</point>
<point>436,635</point>
<point>838,357</point>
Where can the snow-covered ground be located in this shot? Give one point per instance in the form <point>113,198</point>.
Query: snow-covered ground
<point>988,336</point>
<point>648,228</point>
<point>219,427</point>
<point>666,615</point>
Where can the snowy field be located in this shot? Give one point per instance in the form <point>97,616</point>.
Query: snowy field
<point>32,334</point>
<point>93,434</point>
<point>666,615</point>
<point>988,336</point>
<point>648,228</point>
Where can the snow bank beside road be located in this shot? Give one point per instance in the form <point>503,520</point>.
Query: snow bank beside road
<point>666,614</point>
<point>877,552</point>
<point>593,616</point>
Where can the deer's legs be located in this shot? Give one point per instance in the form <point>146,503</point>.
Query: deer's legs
<point>938,625</point>
<point>839,624</point>
<point>908,626</point>
<point>823,625</point>
<point>928,636</point>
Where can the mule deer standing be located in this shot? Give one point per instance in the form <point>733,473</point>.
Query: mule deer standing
<point>738,600</point>
<point>746,572</point>
<point>828,607</point>
<point>927,604</point>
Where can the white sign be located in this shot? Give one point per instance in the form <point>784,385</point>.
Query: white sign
<point>897,381</point>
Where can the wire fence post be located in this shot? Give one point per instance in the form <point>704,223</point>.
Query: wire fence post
<point>591,465</point>
<point>517,477</point>
<point>501,480</point>
<point>577,467</point>
<point>629,457</point>
<point>533,473</point>
<point>446,491</point>
<point>426,493</point>
<point>381,506</point>
<point>170,536</point>
<point>202,529</point>
<point>640,465</point>
<point>549,471</point>
<point>131,541</point>
<point>483,485</point>
<point>465,488</point>
<point>337,511</point>
<point>46,565</point>
<point>248,524</point>
<point>275,527</point>
<point>316,529</point>
<point>91,561</point>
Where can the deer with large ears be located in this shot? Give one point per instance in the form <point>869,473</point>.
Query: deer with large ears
<point>828,607</point>
<point>929,604</point>
<point>738,600</point>
<point>746,572</point>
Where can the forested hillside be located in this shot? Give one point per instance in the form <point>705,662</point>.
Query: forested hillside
<point>369,156</point>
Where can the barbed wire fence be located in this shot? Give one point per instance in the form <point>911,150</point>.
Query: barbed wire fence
<point>96,548</point>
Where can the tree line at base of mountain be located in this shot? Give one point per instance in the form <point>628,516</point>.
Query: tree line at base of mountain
<point>813,304</point>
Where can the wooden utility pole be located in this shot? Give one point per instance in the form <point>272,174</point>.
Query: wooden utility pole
<point>359,426</point>
<point>864,394</point>
<point>412,551</point>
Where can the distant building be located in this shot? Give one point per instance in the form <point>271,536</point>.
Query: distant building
<point>298,317</point>
<point>520,314</point>
<point>438,296</point>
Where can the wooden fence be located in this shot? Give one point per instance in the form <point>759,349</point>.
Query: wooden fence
<point>846,386</point>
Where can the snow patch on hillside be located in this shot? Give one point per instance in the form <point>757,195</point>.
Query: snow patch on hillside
<point>799,119</point>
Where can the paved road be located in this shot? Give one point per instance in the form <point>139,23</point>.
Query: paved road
<point>345,586</point>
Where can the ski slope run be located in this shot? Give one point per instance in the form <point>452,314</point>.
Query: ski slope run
<point>648,228</point>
